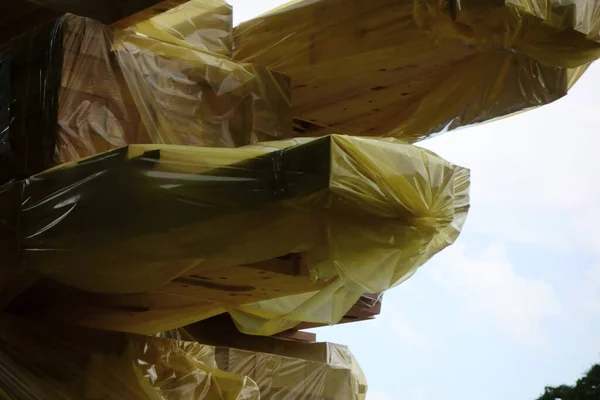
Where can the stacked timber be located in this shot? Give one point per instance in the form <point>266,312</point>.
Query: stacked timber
<point>78,88</point>
<point>179,201</point>
<point>44,360</point>
<point>412,68</point>
<point>276,234</point>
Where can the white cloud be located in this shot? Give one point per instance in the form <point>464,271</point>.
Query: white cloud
<point>591,290</point>
<point>404,330</point>
<point>420,394</point>
<point>534,181</point>
<point>586,227</point>
<point>408,335</point>
<point>494,294</point>
<point>416,394</point>
<point>535,175</point>
<point>378,396</point>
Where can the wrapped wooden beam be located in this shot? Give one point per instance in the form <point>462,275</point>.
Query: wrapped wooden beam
<point>298,336</point>
<point>78,88</point>
<point>413,68</point>
<point>45,360</point>
<point>329,365</point>
<point>49,361</point>
<point>185,300</point>
<point>205,25</point>
<point>334,375</point>
<point>365,309</point>
<point>207,225</point>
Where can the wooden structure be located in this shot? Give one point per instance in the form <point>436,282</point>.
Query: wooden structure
<point>186,300</point>
<point>79,87</point>
<point>50,361</point>
<point>368,68</point>
<point>284,368</point>
<point>165,309</point>
<point>222,329</point>
<point>366,308</point>
<point>211,236</point>
<point>205,25</point>
<point>316,371</point>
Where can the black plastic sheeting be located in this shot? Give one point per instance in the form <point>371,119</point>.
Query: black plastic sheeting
<point>109,199</point>
<point>5,101</point>
<point>30,74</point>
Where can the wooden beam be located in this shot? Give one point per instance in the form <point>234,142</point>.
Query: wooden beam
<point>356,67</point>
<point>367,68</point>
<point>345,320</point>
<point>220,330</point>
<point>299,336</point>
<point>365,309</point>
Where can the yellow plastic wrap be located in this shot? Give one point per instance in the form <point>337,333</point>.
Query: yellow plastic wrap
<point>39,362</point>
<point>581,15</point>
<point>336,376</point>
<point>79,88</point>
<point>553,32</point>
<point>49,361</point>
<point>164,235</point>
<point>413,68</point>
<point>198,24</point>
<point>284,369</point>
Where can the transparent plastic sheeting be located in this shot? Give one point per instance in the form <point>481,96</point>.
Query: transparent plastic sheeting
<point>413,68</point>
<point>39,362</point>
<point>220,226</point>
<point>44,361</point>
<point>553,32</point>
<point>334,372</point>
<point>77,88</point>
<point>334,376</point>
<point>204,25</point>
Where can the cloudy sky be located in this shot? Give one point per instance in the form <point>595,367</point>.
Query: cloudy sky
<point>514,305</point>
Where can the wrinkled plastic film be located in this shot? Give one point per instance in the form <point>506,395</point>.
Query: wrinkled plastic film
<point>193,98</point>
<point>5,100</point>
<point>99,88</point>
<point>181,198</point>
<point>411,194</point>
<point>31,70</point>
<point>555,33</point>
<point>285,368</point>
<point>280,377</point>
<point>39,361</point>
<point>220,220</point>
<point>412,69</point>
<point>204,25</point>
<point>345,262</point>
<point>582,16</point>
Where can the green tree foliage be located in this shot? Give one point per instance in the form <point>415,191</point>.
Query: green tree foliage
<point>586,388</point>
